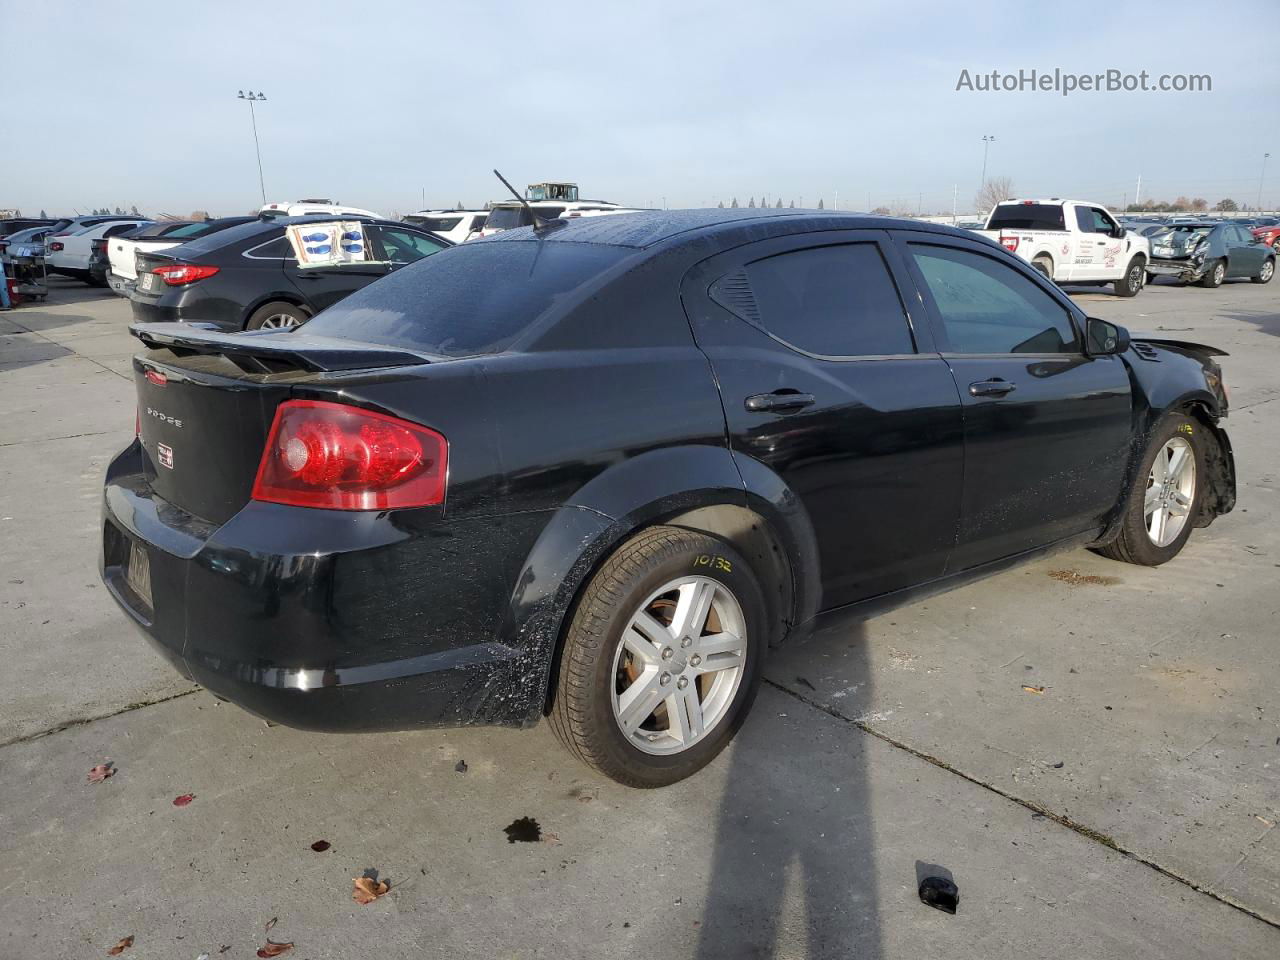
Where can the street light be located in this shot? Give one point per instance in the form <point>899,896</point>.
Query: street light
<point>253,98</point>
<point>1261,177</point>
<point>986,145</point>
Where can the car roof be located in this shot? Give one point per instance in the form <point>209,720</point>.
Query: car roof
<point>648,228</point>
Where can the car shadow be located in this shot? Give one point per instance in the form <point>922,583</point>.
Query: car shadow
<point>18,349</point>
<point>1266,322</point>
<point>793,871</point>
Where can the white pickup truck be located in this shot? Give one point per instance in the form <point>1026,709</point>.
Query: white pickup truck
<point>1071,241</point>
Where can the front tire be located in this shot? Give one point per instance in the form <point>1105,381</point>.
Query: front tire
<point>662,658</point>
<point>1214,274</point>
<point>1130,285</point>
<point>1265,272</point>
<point>1162,507</point>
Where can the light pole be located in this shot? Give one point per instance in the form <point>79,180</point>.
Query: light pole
<point>1262,176</point>
<point>986,145</point>
<point>256,98</point>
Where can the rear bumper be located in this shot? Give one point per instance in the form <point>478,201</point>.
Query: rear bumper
<point>1185,269</point>
<point>119,285</point>
<point>324,620</point>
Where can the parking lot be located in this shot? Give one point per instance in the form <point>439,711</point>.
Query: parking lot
<point>1091,749</point>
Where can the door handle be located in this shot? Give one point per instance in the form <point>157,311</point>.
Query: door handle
<point>778,401</point>
<point>995,387</point>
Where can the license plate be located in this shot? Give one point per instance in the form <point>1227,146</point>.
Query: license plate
<point>138,573</point>
<point>146,282</point>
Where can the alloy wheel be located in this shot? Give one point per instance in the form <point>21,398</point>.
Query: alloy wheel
<point>279,320</point>
<point>679,664</point>
<point>1267,270</point>
<point>1219,274</point>
<point>1171,488</point>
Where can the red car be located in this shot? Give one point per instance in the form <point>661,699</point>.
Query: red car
<point>1269,235</point>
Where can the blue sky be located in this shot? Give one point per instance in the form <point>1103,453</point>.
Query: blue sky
<point>373,102</point>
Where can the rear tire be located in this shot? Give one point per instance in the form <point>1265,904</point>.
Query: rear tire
<point>1045,266</point>
<point>1265,272</point>
<point>645,589</point>
<point>1136,543</point>
<point>1214,274</point>
<point>276,314</point>
<point>1130,285</point>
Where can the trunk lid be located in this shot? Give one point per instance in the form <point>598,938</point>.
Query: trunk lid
<point>206,401</point>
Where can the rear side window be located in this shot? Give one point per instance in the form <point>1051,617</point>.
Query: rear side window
<point>442,224</point>
<point>837,301</point>
<point>476,298</point>
<point>1027,216</point>
<point>989,307</point>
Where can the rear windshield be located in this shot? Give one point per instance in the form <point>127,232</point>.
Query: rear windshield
<point>443,224</point>
<point>472,299</point>
<point>1027,216</point>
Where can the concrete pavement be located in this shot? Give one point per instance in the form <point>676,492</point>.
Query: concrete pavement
<point>1126,811</point>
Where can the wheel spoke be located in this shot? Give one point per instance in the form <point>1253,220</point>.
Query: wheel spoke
<point>1177,463</point>
<point>1155,525</point>
<point>638,701</point>
<point>719,651</point>
<point>684,714</point>
<point>692,608</point>
<point>645,638</point>
<point>1180,506</point>
<point>1160,468</point>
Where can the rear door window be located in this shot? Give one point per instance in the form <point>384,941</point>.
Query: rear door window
<point>836,301</point>
<point>989,307</point>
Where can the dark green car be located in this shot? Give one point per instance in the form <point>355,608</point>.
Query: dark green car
<point>1209,253</point>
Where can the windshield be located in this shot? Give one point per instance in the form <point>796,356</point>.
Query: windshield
<point>1027,216</point>
<point>471,299</point>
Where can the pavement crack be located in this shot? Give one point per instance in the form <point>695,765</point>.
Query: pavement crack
<point>85,721</point>
<point>1060,819</point>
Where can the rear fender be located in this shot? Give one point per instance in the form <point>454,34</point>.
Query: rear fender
<point>696,486</point>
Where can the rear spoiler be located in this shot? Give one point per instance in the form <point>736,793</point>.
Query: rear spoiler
<point>274,351</point>
<point>1184,344</point>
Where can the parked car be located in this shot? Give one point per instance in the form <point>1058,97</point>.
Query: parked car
<point>124,248</point>
<point>1269,234</point>
<point>594,473</point>
<point>16,224</point>
<point>1070,241</point>
<point>99,262</point>
<point>456,226</point>
<point>1209,253</point>
<point>512,214</point>
<point>246,277</point>
<point>306,208</point>
<point>67,253</point>
<point>32,237</point>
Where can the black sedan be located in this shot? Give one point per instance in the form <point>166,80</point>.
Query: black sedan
<point>247,278</point>
<point>594,472</point>
<point>1209,253</point>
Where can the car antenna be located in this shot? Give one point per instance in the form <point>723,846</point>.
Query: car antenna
<point>538,222</point>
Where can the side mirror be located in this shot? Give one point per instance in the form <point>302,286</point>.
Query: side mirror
<point>1103,339</point>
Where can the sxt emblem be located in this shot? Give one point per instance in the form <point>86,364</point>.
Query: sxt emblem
<point>166,455</point>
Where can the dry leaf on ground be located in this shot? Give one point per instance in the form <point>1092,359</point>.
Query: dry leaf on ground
<point>121,947</point>
<point>1036,690</point>
<point>368,890</point>
<point>101,772</point>
<point>183,800</point>
<point>273,949</point>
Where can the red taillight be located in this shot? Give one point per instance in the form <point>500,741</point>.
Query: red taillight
<point>183,273</point>
<point>330,455</point>
<point>55,246</point>
<point>156,377</point>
